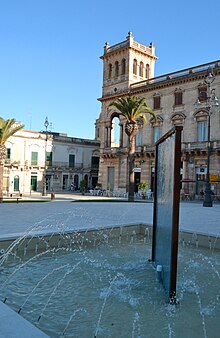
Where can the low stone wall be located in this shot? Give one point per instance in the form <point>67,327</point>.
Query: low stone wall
<point>86,238</point>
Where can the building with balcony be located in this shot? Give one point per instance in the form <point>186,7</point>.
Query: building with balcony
<point>38,158</point>
<point>128,68</point>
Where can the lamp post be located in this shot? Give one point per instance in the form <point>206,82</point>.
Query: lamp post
<point>211,101</point>
<point>44,192</point>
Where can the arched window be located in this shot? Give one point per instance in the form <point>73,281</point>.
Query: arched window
<point>76,182</point>
<point>135,67</point>
<point>141,69</point>
<point>115,132</point>
<point>147,71</point>
<point>110,71</point>
<point>123,66</point>
<point>178,119</point>
<point>116,69</point>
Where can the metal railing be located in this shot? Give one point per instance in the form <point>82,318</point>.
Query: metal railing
<point>199,145</point>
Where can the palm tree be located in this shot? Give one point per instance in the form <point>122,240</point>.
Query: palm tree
<point>134,110</point>
<point>7,129</point>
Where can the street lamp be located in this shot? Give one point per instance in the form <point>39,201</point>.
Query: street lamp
<point>211,101</point>
<point>46,124</point>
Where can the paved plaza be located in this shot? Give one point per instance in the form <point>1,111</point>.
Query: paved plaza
<point>72,212</point>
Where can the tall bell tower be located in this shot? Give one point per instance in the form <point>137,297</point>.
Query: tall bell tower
<point>125,63</point>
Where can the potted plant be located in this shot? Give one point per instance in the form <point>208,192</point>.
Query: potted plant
<point>143,186</point>
<point>83,186</point>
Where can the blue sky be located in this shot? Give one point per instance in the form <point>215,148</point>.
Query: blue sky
<point>50,49</point>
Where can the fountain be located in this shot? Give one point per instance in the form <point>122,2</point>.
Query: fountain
<point>99,283</point>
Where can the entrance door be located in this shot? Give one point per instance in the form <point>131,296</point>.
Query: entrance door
<point>76,182</point>
<point>16,183</point>
<point>65,182</point>
<point>111,177</point>
<point>137,180</point>
<point>34,183</point>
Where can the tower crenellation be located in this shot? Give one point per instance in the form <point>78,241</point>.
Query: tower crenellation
<point>125,63</point>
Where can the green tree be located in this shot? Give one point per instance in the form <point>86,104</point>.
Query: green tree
<point>83,186</point>
<point>134,110</point>
<point>143,186</point>
<point>7,129</point>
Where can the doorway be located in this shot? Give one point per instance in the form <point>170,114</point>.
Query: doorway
<point>137,181</point>
<point>16,183</point>
<point>111,178</point>
<point>65,182</point>
<point>33,183</point>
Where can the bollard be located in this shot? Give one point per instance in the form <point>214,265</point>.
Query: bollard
<point>159,272</point>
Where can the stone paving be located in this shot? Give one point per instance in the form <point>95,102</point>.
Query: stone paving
<point>65,214</point>
<point>70,212</point>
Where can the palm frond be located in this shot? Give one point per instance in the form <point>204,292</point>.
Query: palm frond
<point>132,108</point>
<point>8,128</point>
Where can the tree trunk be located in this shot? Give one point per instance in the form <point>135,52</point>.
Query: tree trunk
<point>3,152</point>
<point>131,168</point>
<point>1,181</point>
<point>131,129</point>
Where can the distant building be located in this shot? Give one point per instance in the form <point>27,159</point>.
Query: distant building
<point>128,68</point>
<point>59,161</point>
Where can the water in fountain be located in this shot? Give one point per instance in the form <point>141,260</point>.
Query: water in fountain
<point>98,287</point>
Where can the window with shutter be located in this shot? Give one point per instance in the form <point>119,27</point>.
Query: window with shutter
<point>157,102</point>
<point>8,155</point>
<point>202,93</point>
<point>34,158</point>
<point>71,161</point>
<point>49,158</point>
<point>156,134</point>
<point>202,130</point>
<point>178,98</point>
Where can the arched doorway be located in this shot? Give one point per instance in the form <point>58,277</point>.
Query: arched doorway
<point>115,132</point>
<point>76,182</point>
<point>86,179</point>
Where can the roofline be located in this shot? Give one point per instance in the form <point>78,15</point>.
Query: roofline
<point>192,73</point>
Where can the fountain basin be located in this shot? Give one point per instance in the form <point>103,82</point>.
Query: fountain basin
<point>99,282</point>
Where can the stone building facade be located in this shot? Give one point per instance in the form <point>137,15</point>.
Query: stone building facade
<point>35,159</point>
<point>128,68</point>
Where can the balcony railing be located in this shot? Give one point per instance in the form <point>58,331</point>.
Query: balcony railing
<point>124,150</point>
<point>51,165</point>
<point>188,146</point>
<point>12,162</point>
<point>61,165</point>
